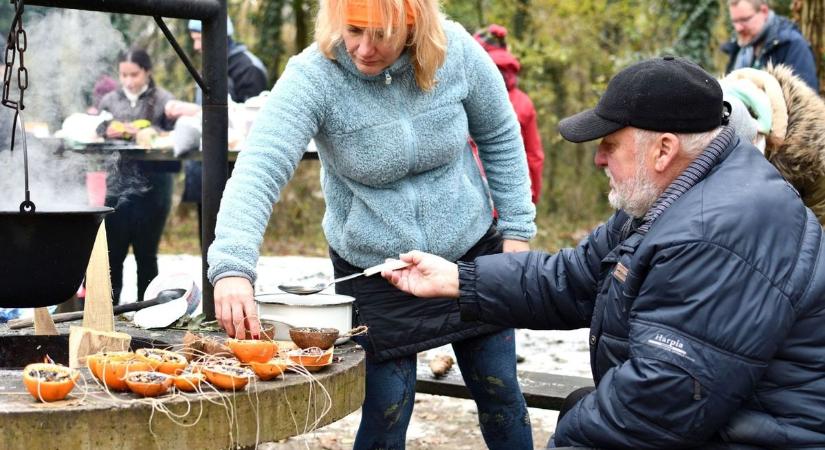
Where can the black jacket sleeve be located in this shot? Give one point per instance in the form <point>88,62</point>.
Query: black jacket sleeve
<point>537,290</point>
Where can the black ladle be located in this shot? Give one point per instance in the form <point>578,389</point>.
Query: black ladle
<point>164,296</point>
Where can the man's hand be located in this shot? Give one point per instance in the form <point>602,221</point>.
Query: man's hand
<point>513,246</point>
<point>235,308</point>
<point>426,276</point>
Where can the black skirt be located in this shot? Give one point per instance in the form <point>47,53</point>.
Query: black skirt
<point>401,324</point>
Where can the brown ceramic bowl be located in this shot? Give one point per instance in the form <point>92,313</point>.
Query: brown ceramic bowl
<point>307,337</point>
<point>267,330</point>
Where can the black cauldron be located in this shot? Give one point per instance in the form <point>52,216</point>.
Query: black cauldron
<point>44,254</point>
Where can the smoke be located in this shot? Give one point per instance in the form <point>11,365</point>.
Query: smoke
<point>49,177</point>
<point>67,52</point>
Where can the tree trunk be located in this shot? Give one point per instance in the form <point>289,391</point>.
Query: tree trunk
<point>810,14</point>
<point>301,25</point>
<point>520,18</point>
<point>269,21</point>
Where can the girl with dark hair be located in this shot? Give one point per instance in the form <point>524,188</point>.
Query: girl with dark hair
<point>141,191</point>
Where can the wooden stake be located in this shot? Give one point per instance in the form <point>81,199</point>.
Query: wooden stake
<point>97,310</point>
<point>43,323</point>
<point>97,333</point>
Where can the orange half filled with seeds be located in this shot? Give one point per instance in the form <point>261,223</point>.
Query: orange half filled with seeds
<point>49,382</point>
<point>248,350</point>
<point>270,369</point>
<point>227,377</point>
<point>148,384</point>
<point>188,382</point>
<point>312,356</point>
<point>95,362</point>
<point>114,371</point>
<point>165,361</point>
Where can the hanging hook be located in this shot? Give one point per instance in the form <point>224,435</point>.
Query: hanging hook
<point>27,206</point>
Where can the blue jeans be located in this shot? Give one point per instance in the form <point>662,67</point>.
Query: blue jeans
<point>488,366</point>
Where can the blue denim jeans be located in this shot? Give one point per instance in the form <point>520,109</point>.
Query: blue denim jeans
<point>488,366</point>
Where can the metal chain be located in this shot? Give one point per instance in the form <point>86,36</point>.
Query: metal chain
<point>16,43</point>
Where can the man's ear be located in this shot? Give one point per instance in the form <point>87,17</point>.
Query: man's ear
<point>666,151</point>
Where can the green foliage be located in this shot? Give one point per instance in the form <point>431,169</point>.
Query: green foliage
<point>471,13</point>
<point>269,20</point>
<point>569,49</point>
<point>698,19</point>
<point>782,7</point>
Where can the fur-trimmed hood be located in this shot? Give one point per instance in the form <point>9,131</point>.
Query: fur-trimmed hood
<point>800,158</point>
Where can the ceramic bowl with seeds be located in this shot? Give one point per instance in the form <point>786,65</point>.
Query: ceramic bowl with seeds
<point>307,337</point>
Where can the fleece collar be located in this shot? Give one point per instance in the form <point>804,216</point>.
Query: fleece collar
<point>400,65</point>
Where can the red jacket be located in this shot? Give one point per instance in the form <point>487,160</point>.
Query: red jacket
<point>526,113</point>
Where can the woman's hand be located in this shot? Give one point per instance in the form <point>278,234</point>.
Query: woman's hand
<point>118,130</point>
<point>178,108</point>
<point>426,276</point>
<point>235,307</point>
<point>513,246</point>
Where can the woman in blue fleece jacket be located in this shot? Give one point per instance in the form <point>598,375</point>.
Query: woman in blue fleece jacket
<point>391,91</point>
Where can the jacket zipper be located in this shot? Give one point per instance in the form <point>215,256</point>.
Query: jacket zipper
<point>409,188</point>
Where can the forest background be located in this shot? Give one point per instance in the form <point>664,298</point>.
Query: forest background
<point>569,49</point>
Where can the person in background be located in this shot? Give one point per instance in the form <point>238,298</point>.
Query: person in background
<point>493,39</point>
<point>141,192</point>
<point>103,86</point>
<point>247,74</point>
<point>704,292</point>
<point>247,78</point>
<point>786,120</point>
<point>764,37</point>
<point>390,92</point>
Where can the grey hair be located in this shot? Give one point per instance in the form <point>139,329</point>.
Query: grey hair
<point>692,143</point>
<point>755,3</point>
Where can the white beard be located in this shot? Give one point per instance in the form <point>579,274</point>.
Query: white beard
<point>636,195</point>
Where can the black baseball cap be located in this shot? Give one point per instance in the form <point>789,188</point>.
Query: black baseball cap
<point>669,94</point>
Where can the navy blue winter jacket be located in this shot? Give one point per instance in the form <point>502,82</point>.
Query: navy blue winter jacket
<point>783,44</point>
<point>707,331</point>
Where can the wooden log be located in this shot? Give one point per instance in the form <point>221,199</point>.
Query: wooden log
<point>86,341</point>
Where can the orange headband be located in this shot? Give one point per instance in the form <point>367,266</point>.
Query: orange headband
<point>359,15</point>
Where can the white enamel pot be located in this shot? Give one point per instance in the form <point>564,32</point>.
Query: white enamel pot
<point>315,310</point>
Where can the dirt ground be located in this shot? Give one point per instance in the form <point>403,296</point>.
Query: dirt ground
<point>445,423</point>
<point>438,423</point>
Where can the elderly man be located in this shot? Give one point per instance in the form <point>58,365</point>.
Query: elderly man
<point>763,37</point>
<point>704,293</point>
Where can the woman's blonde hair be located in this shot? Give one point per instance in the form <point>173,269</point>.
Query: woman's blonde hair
<point>426,41</point>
